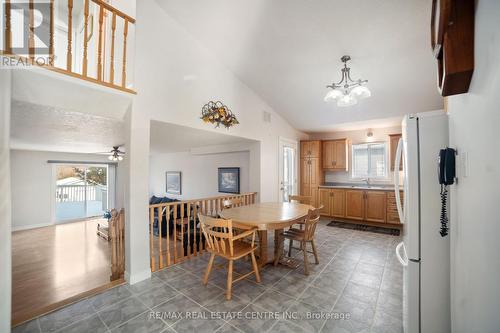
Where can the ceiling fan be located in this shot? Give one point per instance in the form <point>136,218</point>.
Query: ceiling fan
<point>115,154</point>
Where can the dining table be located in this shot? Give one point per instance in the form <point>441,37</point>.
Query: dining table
<point>267,216</point>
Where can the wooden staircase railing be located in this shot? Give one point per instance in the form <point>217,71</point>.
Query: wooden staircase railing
<point>174,232</point>
<point>110,22</point>
<point>116,229</point>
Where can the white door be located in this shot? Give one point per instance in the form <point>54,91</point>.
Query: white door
<point>288,165</point>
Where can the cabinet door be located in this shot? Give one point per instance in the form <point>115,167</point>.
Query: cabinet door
<point>305,177</point>
<point>354,204</point>
<point>338,203</point>
<point>315,172</point>
<point>393,146</point>
<point>324,196</point>
<point>328,157</point>
<point>376,202</point>
<point>392,210</point>
<point>305,149</point>
<point>315,148</point>
<point>340,154</point>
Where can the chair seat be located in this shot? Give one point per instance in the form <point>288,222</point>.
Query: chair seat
<point>295,234</point>
<point>240,249</point>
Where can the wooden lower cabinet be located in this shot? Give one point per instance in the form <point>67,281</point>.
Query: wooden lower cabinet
<point>375,206</point>
<point>333,202</point>
<point>355,204</point>
<point>392,210</point>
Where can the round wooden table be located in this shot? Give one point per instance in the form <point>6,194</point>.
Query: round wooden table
<point>267,216</point>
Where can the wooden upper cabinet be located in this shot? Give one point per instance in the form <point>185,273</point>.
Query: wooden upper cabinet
<point>334,154</point>
<point>375,209</point>
<point>393,146</point>
<point>355,204</point>
<point>337,203</point>
<point>315,171</point>
<point>305,172</point>
<point>310,149</point>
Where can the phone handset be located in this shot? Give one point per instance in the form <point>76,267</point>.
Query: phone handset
<point>446,176</point>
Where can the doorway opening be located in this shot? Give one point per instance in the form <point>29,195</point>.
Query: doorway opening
<point>287,168</point>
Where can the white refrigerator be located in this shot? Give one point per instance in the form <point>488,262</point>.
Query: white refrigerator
<point>424,254</point>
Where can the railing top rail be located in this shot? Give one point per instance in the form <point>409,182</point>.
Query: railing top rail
<point>114,10</point>
<point>202,199</point>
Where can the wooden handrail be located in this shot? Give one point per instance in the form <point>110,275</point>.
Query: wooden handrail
<point>180,223</point>
<point>114,10</point>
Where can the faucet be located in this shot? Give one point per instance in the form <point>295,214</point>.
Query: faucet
<point>366,180</point>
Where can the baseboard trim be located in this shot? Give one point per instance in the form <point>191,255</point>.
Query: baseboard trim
<point>31,226</point>
<point>137,277</point>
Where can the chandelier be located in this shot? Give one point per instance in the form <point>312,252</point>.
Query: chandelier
<point>217,113</point>
<point>347,91</point>
<point>116,154</point>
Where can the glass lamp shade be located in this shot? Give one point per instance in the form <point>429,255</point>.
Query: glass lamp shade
<point>346,100</point>
<point>361,92</point>
<point>333,94</point>
<point>110,157</point>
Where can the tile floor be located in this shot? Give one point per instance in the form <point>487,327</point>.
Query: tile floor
<point>358,279</point>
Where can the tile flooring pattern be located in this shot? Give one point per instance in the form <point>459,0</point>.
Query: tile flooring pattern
<point>358,275</point>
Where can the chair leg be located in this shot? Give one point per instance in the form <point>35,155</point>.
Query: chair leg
<point>255,268</point>
<point>229,280</point>
<point>315,252</point>
<point>290,245</point>
<point>209,268</point>
<point>306,262</point>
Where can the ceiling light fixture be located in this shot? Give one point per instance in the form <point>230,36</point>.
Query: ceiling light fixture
<point>347,91</point>
<point>116,154</point>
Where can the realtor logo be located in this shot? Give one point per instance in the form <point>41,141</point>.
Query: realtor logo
<point>26,26</point>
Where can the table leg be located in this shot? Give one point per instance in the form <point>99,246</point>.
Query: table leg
<point>262,248</point>
<point>278,245</point>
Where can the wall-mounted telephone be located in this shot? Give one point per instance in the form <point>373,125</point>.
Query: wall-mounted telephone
<point>446,176</point>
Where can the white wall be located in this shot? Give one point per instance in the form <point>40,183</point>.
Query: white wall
<point>175,76</point>
<point>475,212</point>
<point>355,137</point>
<point>5,202</point>
<point>32,185</point>
<point>199,173</point>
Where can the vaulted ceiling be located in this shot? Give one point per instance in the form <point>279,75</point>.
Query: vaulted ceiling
<point>288,50</point>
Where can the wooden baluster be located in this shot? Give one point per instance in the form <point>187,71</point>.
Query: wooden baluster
<point>124,68</point>
<point>51,34</point>
<point>114,254</point>
<point>195,217</point>
<point>151,236</point>
<point>8,31</point>
<point>175,232</point>
<point>112,61</point>
<point>160,239</point>
<point>167,215</point>
<point>122,242</point>
<point>182,229</point>
<point>85,37</point>
<point>69,54</point>
<point>31,37</point>
<point>99,47</point>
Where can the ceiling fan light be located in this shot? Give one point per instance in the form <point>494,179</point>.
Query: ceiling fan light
<point>361,92</point>
<point>120,158</point>
<point>110,157</point>
<point>333,94</point>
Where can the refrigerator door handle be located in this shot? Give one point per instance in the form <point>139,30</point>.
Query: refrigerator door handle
<point>397,162</point>
<point>398,254</point>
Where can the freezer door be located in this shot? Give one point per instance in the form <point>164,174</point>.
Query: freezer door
<point>411,297</point>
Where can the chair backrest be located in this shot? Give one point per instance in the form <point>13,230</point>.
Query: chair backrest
<point>218,234</point>
<point>300,199</point>
<point>234,202</point>
<point>311,221</point>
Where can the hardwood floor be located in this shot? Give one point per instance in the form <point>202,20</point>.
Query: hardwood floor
<point>56,263</point>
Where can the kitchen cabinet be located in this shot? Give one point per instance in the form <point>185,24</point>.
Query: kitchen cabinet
<point>334,154</point>
<point>375,206</point>
<point>355,204</point>
<point>333,201</point>
<point>393,146</point>
<point>310,169</point>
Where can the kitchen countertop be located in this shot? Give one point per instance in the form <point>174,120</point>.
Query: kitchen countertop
<point>379,187</point>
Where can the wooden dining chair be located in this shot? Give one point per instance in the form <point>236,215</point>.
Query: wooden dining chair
<point>221,241</point>
<point>231,203</point>
<point>303,237</point>
<point>303,199</point>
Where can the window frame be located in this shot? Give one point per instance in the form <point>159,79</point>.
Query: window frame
<point>386,160</point>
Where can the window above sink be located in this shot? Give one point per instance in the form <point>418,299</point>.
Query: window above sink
<point>369,161</point>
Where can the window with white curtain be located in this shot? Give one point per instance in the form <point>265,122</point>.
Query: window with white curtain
<point>369,160</point>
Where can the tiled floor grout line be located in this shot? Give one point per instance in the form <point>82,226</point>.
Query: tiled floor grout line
<point>379,289</point>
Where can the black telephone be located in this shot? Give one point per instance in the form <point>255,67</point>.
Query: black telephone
<point>446,176</point>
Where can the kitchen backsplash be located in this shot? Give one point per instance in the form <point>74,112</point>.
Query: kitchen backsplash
<point>345,177</point>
